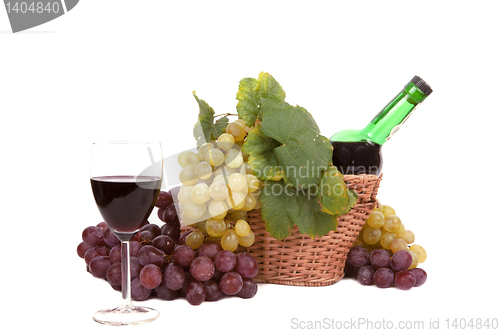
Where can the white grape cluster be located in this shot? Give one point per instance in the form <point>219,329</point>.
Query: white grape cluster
<point>218,189</point>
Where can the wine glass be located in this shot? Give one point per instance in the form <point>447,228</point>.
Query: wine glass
<point>126,178</point>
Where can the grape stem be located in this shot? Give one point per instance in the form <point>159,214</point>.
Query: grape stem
<point>226,114</point>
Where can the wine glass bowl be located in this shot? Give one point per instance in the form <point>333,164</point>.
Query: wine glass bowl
<point>126,179</point>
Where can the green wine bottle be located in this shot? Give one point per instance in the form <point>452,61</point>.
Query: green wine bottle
<point>359,151</point>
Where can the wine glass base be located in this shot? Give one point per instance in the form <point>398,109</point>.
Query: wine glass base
<point>122,316</point>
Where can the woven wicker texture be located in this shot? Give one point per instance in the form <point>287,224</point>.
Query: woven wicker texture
<point>299,260</point>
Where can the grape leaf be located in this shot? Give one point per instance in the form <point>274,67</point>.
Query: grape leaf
<point>334,194</point>
<point>279,210</point>
<point>266,166</point>
<point>304,154</point>
<point>312,221</point>
<point>248,101</point>
<point>256,96</point>
<point>205,129</point>
<point>283,206</point>
<point>257,143</point>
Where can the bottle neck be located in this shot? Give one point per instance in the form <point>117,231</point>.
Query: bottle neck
<point>386,123</point>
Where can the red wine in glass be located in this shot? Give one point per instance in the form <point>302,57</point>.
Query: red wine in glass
<point>125,202</point>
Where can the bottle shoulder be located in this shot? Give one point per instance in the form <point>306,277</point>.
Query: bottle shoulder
<point>349,135</point>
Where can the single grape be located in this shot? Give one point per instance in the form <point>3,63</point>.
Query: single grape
<point>398,244</point>
<point>236,200</point>
<point>166,294</point>
<point>115,254</point>
<point>234,159</point>
<point>231,283</point>
<point>99,266</point>
<point>134,247</point>
<point>218,190</point>
<point>209,250</point>
<point>246,265</point>
<point>225,141</point>
<point>383,277</point>
<point>365,275</point>
<point>150,276</point>
<point>400,230</point>
<point>225,261</point>
<point>230,240</point>
<point>217,209</point>
<point>174,277</point>
<point>135,267</point>
<point>249,289</point>
<point>214,157</point>
<point>380,258</point>
<point>420,252</point>
<point>194,210</point>
<point>202,268</point>
<point>252,183</point>
<point>164,199</point>
<point>250,203</point>
<point>185,195</point>
<point>170,215</point>
<point>114,274</point>
<point>138,291</point>
<point>82,248</point>
<point>242,228</point>
<point>188,175</point>
<point>93,236</point>
<point>110,239</point>
<point>171,230</point>
<point>404,280</point>
<point>187,157</point>
<point>375,219</point>
<point>386,239</point>
<point>153,229</point>
<point>392,223</point>
<point>237,182</point>
<point>213,292</point>
<point>420,276</point>
<point>215,227</point>
<point>149,254</point>
<point>164,243</point>
<point>102,225</point>
<point>203,170</point>
<point>358,256</point>
<point>237,130</point>
<point>371,235</point>
<point>401,260</point>
<point>183,255</point>
<point>195,292</point>
<point>388,210</point>
<point>199,193</point>
<point>248,240</point>
<point>94,252</point>
<point>195,239</point>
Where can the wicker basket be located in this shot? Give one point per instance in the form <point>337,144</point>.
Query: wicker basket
<point>299,260</point>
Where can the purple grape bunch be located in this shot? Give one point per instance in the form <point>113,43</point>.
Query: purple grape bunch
<point>162,265</point>
<point>378,268</point>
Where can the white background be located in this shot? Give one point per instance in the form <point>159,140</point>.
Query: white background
<point>120,69</point>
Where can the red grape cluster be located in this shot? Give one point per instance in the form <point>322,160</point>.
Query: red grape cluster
<point>377,267</point>
<point>162,264</point>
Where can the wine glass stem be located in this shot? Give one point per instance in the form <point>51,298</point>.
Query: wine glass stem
<point>126,283</point>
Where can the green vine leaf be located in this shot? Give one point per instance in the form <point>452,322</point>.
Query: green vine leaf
<point>335,198</point>
<point>256,96</point>
<point>205,129</point>
<point>304,153</point>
